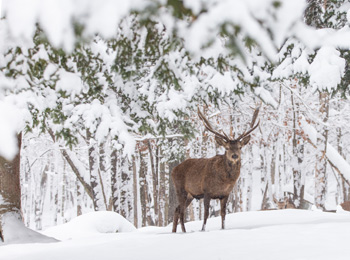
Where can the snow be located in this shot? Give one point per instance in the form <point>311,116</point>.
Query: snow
<point>283,234</point>
<point>11,118</point>
<point>331,153</point>
<point>69,82</point>
<point>16,233</point>
<point>327,69</point>
<point>90,225</point>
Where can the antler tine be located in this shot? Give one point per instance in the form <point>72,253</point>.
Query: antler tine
<point>208,126</point>
<point>247,133</point>
<point>225,135</point>
<point>252,127</point>
<point>255,116</point>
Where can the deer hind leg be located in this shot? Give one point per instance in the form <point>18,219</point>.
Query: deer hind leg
<point>223,203</point>
<point>180,209</point>
<point>187,202</point>
<point>182,213</point>
<point>206,211</point>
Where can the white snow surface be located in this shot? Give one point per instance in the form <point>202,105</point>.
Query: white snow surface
<point>284,234</point>
<point>90,225</point>
<point>16,233</point>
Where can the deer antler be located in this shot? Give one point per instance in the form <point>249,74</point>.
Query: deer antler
<point>252,127</point>
<point>208,126</point>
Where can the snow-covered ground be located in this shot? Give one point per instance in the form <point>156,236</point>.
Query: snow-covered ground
<point>283,234</point>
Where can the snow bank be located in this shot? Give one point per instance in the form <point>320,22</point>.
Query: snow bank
<point>274,235</point>
<point>16,233</point>
<point>91,224</point>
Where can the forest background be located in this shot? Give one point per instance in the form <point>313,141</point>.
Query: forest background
<point>98,104</point>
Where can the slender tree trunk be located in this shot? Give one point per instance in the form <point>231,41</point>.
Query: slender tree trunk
<point>298,154</point>
<point>249,181</point>
<point>154,181</point>
<point>344,189</point>
<point>10,190</point>
<point>135,192</point>
<point>114,182</point>
<point>125,188</point>
<point>79,198</point>
<point>321,162</point>
<point>74,167</point>
<point>143,187</point>
<point>95,178</point>
<point>40,198</point>
<point>162,190</point>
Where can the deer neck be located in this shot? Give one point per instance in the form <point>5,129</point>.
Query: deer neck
<point>232,169</point>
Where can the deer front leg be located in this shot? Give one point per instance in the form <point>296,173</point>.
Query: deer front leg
<point>176,218</point>
<point>206,210</point>
<point>223,203</point>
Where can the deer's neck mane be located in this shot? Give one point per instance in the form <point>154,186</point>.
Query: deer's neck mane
<point>232,169</point>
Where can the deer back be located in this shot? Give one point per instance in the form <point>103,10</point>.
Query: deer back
<point>213,176</point>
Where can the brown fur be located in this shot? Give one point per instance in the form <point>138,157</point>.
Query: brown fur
<point>345,205</point>
<point>212,178</point>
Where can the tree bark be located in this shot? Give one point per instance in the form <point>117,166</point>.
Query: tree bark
<point>10,189</point>
<point>114,181</point>
<point>99,200</point>
<point>155,182</point>
<point>298,154</point>
<point>135,192</point>
<point>321,162</point>
<point>143,187</point>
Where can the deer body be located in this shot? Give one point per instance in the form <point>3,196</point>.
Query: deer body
<point>212,178</point>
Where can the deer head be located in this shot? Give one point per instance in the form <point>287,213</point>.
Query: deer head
<point>232,145</point>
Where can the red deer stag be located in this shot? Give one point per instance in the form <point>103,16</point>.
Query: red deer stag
<point>210,178</point>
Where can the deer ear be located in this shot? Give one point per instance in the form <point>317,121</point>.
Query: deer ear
<point>245,140</point>
<point>220,141</point>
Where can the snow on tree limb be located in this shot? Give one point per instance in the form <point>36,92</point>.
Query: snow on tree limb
<point>334,158</point>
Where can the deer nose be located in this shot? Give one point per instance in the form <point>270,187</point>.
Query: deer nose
<point>235,156</point>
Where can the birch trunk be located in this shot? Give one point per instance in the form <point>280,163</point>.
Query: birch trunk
<point>321,162</point>
<point>298,154</point>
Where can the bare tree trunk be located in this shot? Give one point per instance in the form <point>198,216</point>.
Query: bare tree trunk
<point>154,181</point>
<point>298,154</point>
<point>238,202</point>
<point>162,191</point>
<point>344,189</point>
<point>321,162</point>
<point>125,188</point>
<point>79,198</point>
<point>40,197</point>
<point>135,192</point>
<point>143,187</point>
<point>95,178</point>
<point>10,190</point>
<point>75,169</point>
<point>250,179</point>
<point>114,182</point>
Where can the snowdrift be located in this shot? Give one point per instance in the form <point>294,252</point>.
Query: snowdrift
<point>273,235</point>
<point>91,225</point>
